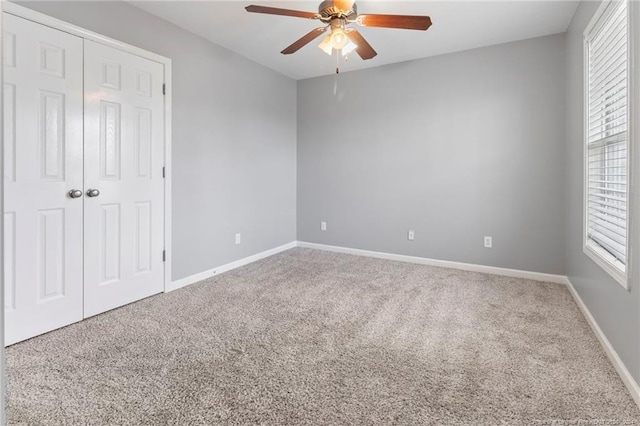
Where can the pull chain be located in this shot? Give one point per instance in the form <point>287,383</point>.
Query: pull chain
<point>335,83</point>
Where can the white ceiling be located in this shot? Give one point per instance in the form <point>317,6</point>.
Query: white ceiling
<point>457,25</point>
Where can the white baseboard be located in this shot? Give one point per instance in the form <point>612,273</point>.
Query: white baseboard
<point>182,282</point>
<point>537,276</point>
<point>627,378</point>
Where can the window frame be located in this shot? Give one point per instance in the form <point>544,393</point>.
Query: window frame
<point>594,251</point>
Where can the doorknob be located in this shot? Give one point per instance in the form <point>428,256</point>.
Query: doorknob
<point>93,193</point>
<point>75,193</point>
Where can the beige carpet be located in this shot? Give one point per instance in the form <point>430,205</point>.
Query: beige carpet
<point>313,338</point>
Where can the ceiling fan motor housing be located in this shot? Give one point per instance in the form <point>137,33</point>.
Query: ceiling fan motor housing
<point>329,11</point>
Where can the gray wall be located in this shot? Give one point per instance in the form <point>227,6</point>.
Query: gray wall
<point>234,138</point>
<point>616,310</point>
<point>455,147</point>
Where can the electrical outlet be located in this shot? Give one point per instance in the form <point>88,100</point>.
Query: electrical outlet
<point>238,238</point>
<point>488,242</point>
<point>323,226</point>
<point>411,235</point>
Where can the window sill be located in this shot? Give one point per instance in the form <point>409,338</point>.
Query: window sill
<point>606,262</point>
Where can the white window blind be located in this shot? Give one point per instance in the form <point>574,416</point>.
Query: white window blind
<point>607,136</point>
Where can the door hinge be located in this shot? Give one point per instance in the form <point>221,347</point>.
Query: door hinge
<point>164,89</point>
<point>164,255</point>
<point>163,172</point>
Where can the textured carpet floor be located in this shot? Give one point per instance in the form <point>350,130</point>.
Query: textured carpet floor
<point>314,338</point>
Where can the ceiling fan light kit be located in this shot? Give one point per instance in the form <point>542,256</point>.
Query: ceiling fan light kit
<point>338,39</point>
<point>337,15</point>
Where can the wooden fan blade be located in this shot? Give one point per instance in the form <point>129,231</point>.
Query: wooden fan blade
<point>283,12</point>
<point>407,22</point>
<point>304,40</point>
<point>364,49</point>
<point>344,4</point>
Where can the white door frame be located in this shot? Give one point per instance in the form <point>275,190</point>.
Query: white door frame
<point>3,384</point>
<point>57,24</point>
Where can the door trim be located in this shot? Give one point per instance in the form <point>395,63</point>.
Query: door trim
<point>40,18</point>
<point>3,374</point>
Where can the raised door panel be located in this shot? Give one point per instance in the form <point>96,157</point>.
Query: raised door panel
<point>142,130</point>
<point>110,135</point>
<point>9,260</point>
<point>50,255</point>
<point>9,132</point>
<point>109,244</point>
<point>143,240</point>
<point>124,155</point>
<point>51,141</point>
<point>43,109</point>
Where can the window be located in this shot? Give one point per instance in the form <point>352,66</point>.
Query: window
<point>607,138</point>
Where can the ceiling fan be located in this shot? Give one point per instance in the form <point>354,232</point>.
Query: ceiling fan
<point>337,15</point>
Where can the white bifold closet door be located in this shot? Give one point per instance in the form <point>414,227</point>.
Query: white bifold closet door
<point>43,152</point>
<point>124,156</point>
<point>83,178</point>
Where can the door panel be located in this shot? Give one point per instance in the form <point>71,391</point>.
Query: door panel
<point>43,160</point>
<point>124,156</point>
